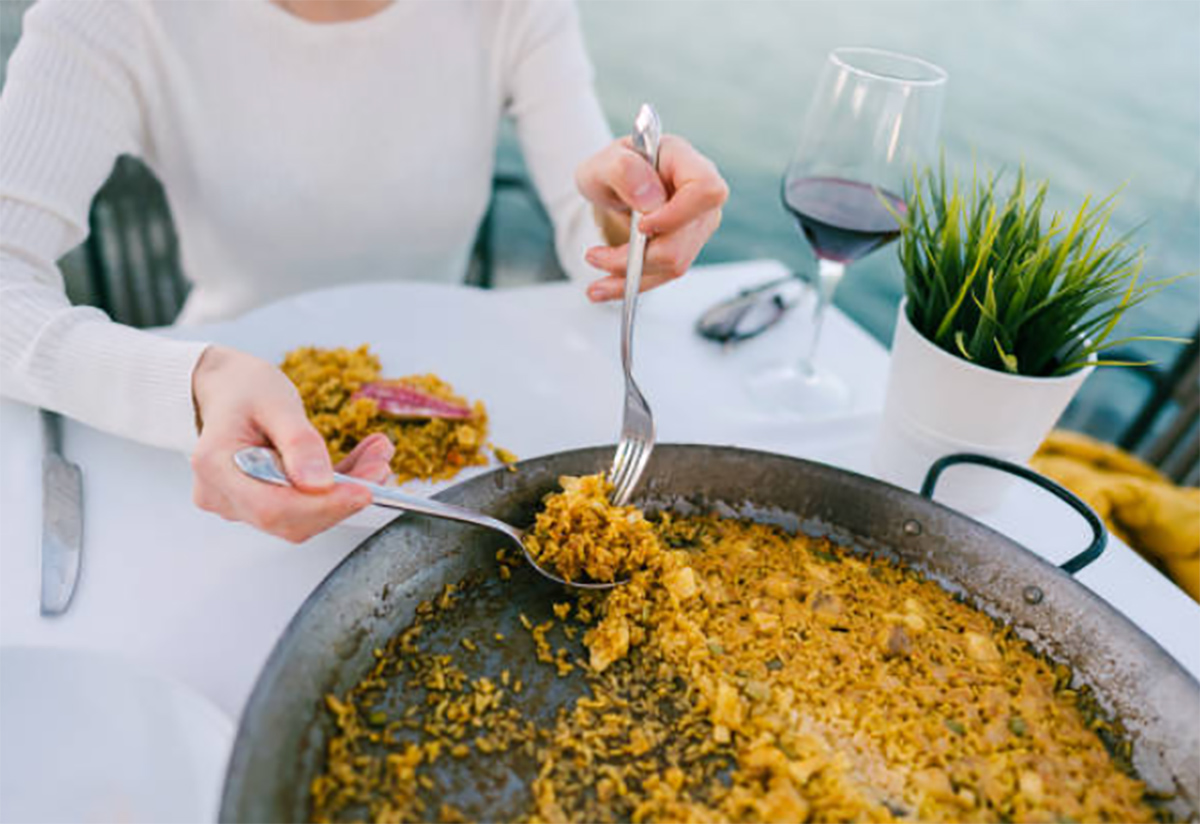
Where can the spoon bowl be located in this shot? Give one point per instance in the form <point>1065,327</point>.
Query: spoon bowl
<point>263,464</point>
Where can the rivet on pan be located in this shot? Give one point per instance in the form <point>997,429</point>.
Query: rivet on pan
<point>1033,595</point>
<point>912,527</point>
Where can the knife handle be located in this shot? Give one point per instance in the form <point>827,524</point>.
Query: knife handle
<point>52,432</point>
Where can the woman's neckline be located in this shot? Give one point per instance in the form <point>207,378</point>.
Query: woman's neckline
<point>358,24</point>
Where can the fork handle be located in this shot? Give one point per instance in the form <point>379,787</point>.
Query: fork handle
<point>647,135</point>
<point>633,285</point>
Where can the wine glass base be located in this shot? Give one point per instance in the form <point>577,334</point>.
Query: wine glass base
<point>786,390</point>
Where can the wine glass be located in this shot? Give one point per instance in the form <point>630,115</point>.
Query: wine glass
<point>873,119</point>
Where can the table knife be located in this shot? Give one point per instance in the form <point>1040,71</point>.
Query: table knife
<point>62,520</point>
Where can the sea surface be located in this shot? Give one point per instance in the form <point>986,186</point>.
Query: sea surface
<point>1092,96</point>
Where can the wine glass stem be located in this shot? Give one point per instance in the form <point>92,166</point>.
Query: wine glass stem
<point>829,275</point>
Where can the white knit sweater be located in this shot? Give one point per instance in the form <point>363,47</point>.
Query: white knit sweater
<point>294,155</point>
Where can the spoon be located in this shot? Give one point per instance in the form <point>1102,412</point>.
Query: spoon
<point>263,464</point>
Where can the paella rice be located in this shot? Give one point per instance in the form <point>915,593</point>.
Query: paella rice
<point>744,674</point>
<point>582,537</point>
<point>430,449</point>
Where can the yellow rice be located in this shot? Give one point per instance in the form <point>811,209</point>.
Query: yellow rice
<point>745,674</point>
<point>582,537</point>
<point>429,449</point>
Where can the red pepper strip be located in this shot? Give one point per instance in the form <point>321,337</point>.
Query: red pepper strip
<point>402,401</point>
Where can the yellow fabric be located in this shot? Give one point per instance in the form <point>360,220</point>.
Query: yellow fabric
<point>1140,505</point>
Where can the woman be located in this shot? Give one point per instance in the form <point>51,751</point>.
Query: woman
<point>300,143</point>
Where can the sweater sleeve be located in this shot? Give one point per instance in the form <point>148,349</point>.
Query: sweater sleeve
<point>548,83</point>
<point>73,101</point>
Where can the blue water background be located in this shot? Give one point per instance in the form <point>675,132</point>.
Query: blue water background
<point>1093,96</point>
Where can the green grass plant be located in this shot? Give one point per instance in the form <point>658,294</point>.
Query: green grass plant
<point>988,278</point>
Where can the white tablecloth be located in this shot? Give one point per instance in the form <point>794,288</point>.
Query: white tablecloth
<point>203,601</point>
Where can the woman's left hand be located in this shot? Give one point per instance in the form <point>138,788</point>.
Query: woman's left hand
<point>680,208</point>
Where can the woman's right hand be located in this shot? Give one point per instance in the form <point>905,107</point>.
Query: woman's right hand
<point>244,401</point>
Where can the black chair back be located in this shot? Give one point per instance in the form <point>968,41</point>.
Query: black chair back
<point>132,249</point>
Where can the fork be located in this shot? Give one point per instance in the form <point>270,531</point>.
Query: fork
<point>637,427</point>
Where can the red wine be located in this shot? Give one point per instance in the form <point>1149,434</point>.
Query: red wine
<point>842,219</point>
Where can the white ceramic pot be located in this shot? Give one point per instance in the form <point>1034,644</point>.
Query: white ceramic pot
<point>938,404</point>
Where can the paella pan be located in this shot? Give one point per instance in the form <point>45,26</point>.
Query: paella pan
<point>283,750</point>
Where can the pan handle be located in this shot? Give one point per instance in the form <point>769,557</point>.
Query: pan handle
<point>1099,534</point>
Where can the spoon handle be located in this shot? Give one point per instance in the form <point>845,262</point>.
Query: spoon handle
<point>263,464</point>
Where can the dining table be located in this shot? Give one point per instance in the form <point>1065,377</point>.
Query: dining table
<point>200,600</point>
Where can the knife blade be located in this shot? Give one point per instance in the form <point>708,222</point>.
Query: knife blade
<point>62,520</point>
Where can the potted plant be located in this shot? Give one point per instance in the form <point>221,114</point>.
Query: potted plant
<point>1004,316</point>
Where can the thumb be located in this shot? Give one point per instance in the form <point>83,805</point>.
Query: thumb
<point>637,184</point>
<point>305,458</point>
